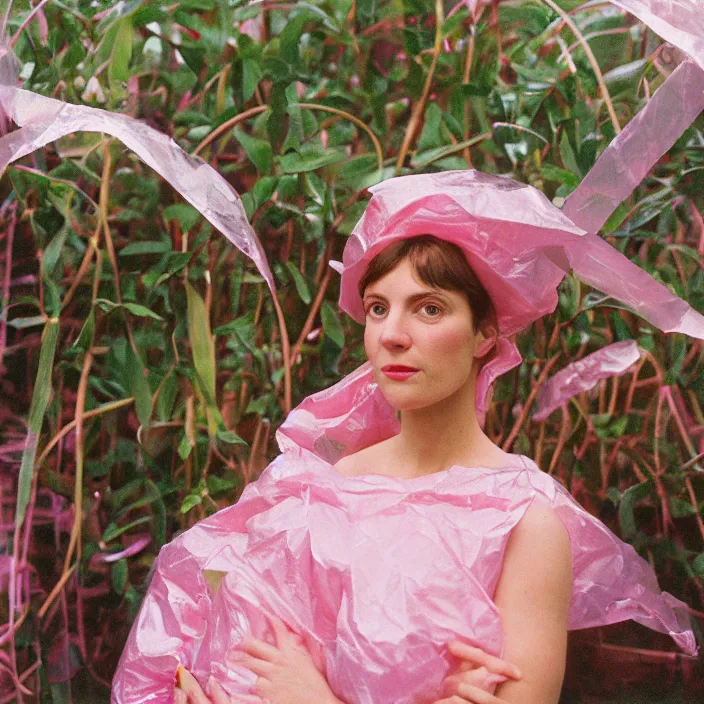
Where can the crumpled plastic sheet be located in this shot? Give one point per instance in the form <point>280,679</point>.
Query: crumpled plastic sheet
<point>43,120</point>
<point>585,374</point>
<point>631,155</point>
<point>519,244</point>
<point>680,22</point>
<point>335,422</point>
<point>654,130</point>
<point>375,574</point>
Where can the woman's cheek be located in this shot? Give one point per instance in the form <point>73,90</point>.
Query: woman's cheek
<point>449,340</point>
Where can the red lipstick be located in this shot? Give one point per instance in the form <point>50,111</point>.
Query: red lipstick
<point>399,372</point>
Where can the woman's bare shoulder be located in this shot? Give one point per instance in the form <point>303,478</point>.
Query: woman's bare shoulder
<point>365,461</point>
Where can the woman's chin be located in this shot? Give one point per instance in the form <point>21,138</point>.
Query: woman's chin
<point>405,398</point>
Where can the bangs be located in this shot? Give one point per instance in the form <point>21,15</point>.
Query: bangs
<point>438,264</point>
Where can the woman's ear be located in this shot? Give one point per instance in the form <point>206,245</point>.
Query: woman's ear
<point>487,340</point>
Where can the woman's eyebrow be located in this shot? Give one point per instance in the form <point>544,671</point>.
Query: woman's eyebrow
<point>412,299</point>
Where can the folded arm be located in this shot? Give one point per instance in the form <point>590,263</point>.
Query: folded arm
<point>533,596</point>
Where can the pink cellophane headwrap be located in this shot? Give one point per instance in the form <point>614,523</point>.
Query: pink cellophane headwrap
<point>520,246</point>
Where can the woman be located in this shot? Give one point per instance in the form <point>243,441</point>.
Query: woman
<point>386,560</point>
<point>424,305</point>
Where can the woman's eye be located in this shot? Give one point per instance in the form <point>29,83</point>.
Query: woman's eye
<point>432,310</point>
<point>376,309</point>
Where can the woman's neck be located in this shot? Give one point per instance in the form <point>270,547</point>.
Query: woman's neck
<point>436,437</point>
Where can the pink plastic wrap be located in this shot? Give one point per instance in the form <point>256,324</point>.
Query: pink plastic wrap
<point>680,22</point>
<point>629,157</point>
<point>632,154</point>
<point>519,244</point>
<point>585,374</point>
<point>375,573</point>
<point>44,120</point>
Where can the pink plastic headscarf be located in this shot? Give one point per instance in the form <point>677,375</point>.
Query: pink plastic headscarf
<point>520,246</point>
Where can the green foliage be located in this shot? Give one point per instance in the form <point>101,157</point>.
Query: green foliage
<point>186,370</point>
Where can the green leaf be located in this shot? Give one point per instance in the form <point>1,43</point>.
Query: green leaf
<point>454,22</point>
<point>551,172</point>
<point>84,341</point>
<point>186,215</point>
<point>190,501</point>
<point>37,410</point>
<point>230,437</point>
<point>217,485</point>
<point>184,447</point>
<point>263,189</point>
<point>614,494</point>
<point>118,69</point>
<point>310,160</point>
<point>191,118</point>
<point>53,250</point>
<point>621,330</point>
<point>30,322</point>
<point>290,38</point>
<point>296,132</point>
<point>258,151</point>
<point>118,575</point>
<point>138,386</point>
<point>151,247</point>
<point>567,153</point>
<point>332,325</point>
<point>626,516</point>
<point>616,218</point>
<point>203,348</point>
<point>115,531</point>
<point>276,119</point>
<point>134,308</point>
<point>198,4</point>
<point>142,311</point>
<point>301,283</point>
<point>167,397</point>
<point>431,134</point>
<point>625,77</point>
<point>680,509</point>
<point>252,73</point>
<point>698,565</point>
<point>357,166</point>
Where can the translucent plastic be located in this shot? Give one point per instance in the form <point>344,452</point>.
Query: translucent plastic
<point>376,574</point>
<point>585,374</point>
<point>44,120</point>
<point>519,244</point>
<point>631,155</point>
<point>680,22</point>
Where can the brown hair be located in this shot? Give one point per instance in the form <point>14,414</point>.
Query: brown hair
<point>437,263</point>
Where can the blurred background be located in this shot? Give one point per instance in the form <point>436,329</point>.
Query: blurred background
<point>144,351</point>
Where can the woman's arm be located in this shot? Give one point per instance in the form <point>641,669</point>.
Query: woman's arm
<point>533,596</point>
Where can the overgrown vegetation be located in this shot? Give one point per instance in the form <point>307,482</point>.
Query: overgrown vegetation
<point>144,350</point>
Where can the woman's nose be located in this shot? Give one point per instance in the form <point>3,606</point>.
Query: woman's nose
<point>393,334</point>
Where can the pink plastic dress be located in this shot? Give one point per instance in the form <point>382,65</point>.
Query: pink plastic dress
<point>375,573</point>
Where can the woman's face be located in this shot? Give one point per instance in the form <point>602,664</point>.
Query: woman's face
<point>419,340</point>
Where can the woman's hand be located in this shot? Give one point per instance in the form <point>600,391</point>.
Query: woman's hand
<point>476,676</point>
<point>188,691</point>
<point>287,674</point>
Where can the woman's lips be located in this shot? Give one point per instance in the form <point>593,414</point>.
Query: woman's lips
<point>399,372</point>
